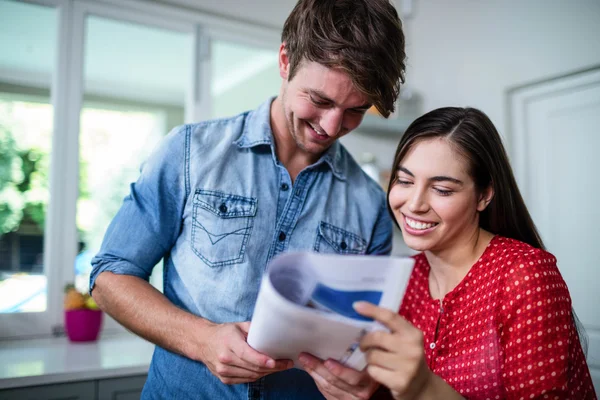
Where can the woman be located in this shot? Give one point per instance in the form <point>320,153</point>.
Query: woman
<point>485,300</point>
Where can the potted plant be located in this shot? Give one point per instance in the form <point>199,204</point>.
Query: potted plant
<point>83,318</point>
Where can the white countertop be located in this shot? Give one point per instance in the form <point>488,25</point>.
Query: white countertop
<point>47,361</point>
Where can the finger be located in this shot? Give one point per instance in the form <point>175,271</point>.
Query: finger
<point>317,369</point>
<point>382,340</point>
<point>349,375</point>
<point>325,386</point>
<point>388,318</point>
<point>385,360</point>
<point>255,360</point>
<point>240,348</point>
<point>384,376</point>
<point>235,360</point>
<point>244,326</point>
<point>236,372</point>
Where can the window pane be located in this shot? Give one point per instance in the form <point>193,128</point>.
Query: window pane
<point>135,79</point>
<point>27,54</point>
<point>242,77</point>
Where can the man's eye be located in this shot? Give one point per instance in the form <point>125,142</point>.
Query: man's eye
<point>357,111</point>
<point>319,102</point>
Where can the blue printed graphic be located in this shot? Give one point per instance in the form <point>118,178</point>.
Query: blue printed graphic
<point>340,301</point>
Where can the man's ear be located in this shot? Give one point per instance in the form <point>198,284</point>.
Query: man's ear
<point>485,198</point>
<point>284,62</point>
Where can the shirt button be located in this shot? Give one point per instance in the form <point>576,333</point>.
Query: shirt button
<point>284,187</point>
<point>281,236</point>
<point>223,208</point>
<point>432,346</point>
<point>343,245</point>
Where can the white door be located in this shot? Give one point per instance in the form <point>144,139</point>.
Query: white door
<point>555,145</point>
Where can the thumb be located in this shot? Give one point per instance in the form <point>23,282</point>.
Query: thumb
<point>244,326</point>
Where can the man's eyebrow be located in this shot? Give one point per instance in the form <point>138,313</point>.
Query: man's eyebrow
<point>324,97</point>
<point>439,178</point>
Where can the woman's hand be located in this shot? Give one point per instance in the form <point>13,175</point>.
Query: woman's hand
<point>395,359</point>
<point>337,382</point>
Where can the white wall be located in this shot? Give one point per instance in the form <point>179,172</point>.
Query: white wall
<point>469,52</point>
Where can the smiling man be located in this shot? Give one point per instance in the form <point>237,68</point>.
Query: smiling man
<point>219,199</point>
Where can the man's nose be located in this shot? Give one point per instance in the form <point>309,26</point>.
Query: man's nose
<point>331,122</point>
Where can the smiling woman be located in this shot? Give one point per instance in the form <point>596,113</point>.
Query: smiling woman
<point>434,197</point>
<point>486,313</point>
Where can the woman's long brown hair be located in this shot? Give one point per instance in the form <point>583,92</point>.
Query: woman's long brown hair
<point>474,136</point>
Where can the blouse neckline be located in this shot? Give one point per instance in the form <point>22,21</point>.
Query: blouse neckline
<point>464,282</point>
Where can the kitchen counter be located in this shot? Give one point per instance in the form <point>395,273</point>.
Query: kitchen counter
<point>47,361</point>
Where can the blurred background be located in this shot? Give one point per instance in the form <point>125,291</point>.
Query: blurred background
<point>88,88</point>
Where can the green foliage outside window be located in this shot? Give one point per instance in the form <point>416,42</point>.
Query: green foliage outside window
<point>23,184</point>
<point>11,175</point>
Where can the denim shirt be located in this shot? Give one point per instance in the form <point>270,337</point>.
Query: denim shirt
<point>216,203</point>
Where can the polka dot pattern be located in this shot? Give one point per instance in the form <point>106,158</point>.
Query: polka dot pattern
<point>506,330</point>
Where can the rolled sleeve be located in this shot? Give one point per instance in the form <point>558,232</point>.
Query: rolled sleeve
<point>149,221</point>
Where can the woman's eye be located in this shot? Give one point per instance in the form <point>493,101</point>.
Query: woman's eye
<point>403,182</point>
<point>443,192</point>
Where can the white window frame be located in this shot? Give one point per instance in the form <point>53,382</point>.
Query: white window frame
<point>66,88</point>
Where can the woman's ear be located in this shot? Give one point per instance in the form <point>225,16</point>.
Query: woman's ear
<point>485,198</point>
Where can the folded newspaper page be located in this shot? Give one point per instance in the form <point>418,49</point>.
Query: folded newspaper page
<point>305,304</point>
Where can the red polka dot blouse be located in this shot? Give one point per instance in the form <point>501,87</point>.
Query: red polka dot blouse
<point>506,331</point>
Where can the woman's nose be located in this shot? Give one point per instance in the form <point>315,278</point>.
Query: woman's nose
<point>418,202</point>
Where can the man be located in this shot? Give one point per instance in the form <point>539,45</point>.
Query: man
<point>219,199</point>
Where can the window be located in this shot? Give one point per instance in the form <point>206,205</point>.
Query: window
<point>135,79</point>
<point>87,90</point>
<point>27,53</point>
<point>244,76</point>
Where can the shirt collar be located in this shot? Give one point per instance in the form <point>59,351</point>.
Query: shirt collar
<point>257,131</point>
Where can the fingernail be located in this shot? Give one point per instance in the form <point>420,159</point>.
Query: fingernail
<point>270,363</point>
<point>358,305</point>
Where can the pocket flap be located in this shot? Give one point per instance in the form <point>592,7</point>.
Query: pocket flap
<point>341,240</point>
<point>225,205</point>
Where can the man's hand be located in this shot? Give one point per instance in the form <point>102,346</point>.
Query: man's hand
<point>336,381</point>
<point>227,355</point>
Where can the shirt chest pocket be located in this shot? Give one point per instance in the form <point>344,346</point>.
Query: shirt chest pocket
<point>221,226</point>
<point>331,239</point>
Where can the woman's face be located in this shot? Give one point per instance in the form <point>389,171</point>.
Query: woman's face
<point>434,199</point>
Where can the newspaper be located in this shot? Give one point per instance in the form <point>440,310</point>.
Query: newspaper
<point>305,304</point>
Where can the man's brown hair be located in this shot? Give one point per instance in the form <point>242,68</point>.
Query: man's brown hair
<point>363,38</point>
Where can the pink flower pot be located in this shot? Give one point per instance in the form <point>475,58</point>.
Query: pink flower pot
<point>83,325</point>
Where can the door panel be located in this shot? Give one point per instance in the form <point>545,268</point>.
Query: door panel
<point>554,144</point>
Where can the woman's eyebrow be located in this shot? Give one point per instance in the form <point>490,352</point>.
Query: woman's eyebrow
<point>445,179</point>
<point>439,178</point>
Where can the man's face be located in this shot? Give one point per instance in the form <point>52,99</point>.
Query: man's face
<point>320,105</point>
